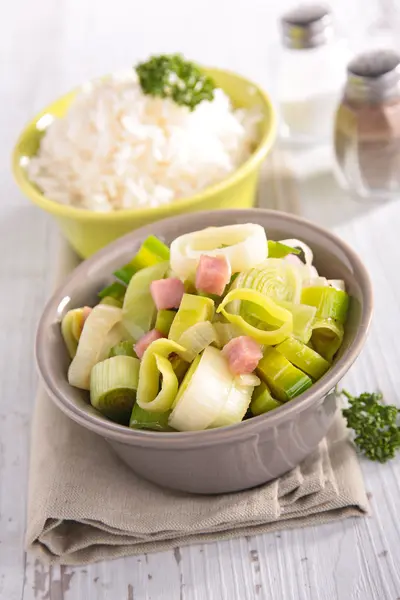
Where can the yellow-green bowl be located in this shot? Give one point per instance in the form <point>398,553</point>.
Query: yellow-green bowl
<point>88,231</point>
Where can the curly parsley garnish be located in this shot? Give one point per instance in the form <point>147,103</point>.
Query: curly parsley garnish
<point>171,76</point>
<point>374,424</point>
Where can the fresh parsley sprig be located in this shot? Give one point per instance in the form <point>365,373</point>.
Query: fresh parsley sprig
<point>377,434</point>
<point>171,76</point>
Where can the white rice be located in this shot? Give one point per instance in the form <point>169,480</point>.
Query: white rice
<point>118,148</point>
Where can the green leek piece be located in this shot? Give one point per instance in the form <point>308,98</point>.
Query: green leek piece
<point>113,385</point>
<point>275,278</point>
<point>115,290</point>
<point>303,319</point>
<point>186,380</point>
<point>151,252</point>
<point>283,379</point>
<point>192,310</point>
<point>197,338</point>
<point>270,315</point>
<point>139,310</point>
<point>278,250</point>
<point>143,419</point>
<point>304,358</point>
<point>158,384</point>
<point>262,400</point>
<point>327,337</point>
<point>225,332</point>
<point>111,301</point>
<point>329,302</point>
<point>189,286</point>
<point>179,366</point>
<point>164,321</point>
<point>124,348</point>
<point>71,329</point>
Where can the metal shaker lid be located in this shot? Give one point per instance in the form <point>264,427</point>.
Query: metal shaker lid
<point>374,76</point>
<point>306,26</point>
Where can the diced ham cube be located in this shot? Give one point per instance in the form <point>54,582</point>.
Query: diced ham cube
<point>243,354</point>
<point>141,346</point>
<point>212,274</point>
<point>167,293</point>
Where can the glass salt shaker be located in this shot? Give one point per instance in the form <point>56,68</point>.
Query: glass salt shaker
<point>367,127</point>
<point>312,74</point>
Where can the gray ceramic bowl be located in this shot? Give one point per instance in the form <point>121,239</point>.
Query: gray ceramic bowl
<point>232,458</point>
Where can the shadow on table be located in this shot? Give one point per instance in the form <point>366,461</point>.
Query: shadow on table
<point>317,197</point>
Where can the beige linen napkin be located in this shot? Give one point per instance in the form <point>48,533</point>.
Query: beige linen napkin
<point>85,505</point>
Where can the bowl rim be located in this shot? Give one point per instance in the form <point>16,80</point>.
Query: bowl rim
<point>287,411</point>
<point>190,202</point>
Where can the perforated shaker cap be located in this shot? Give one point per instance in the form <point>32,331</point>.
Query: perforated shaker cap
<point>374,76</point>
<point>306,26</point>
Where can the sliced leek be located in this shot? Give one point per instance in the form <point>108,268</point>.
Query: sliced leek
<point>113,385</point>
<point>206,390</point>
<point>196,339</point>
<point>186,379</point>
<point>303,318</point>
<point>327,337</point>
<point>116,290</point>
<point>306,271</point>
<point>274,278</point>
<point>151,252</point>
<point>338,284</point>
<point>193,309</point>
<point>329,302</point>
<point>139,310</point>
<point>92,346</point>
<point>269,313</point>
<point>179,366</point>
<point>225,332</point>
<point>243,245</point>
<point>122,349</point>
<point>158,384</point>
<point>279,250</point>
<point>143,419</point>
<point>294,243</point>
<point>111,301</point>
<point>236,405</point>
<point>304,358</point>
<point>164,321</point>
<point>262,400</point>
<point>283,379</point>
<point>71,329</point>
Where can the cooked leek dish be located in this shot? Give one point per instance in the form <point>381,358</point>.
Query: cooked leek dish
<point>221,326</point>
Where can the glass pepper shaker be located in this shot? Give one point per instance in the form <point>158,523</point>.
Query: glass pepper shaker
<point>312,74</point>
<point>367,127</point>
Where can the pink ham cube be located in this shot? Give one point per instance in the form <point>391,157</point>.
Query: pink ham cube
<point>167,293</point>
<point>141,346</point>
<point>243,354</point>
<point>212,275</point>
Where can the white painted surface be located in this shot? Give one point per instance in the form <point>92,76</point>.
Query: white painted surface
<point>46,47</point>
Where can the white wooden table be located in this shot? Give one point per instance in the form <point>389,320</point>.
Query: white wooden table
<point>47,47</point>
